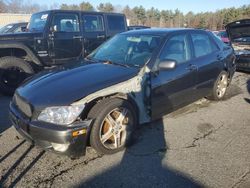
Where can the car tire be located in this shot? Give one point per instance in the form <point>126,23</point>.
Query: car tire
<point>12,73</point>
<point>220,87</point>
<point>114,122</point>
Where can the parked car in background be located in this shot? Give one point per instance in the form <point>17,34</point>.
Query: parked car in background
<point>223,36</point>
<point>135,27</point>
<point>215,32</point>
<point>14,28</point>
<point>239,34</point>
<point>133,78</point>
<point>54,38</point>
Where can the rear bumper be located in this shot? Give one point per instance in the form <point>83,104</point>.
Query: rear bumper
<point>52,137</point>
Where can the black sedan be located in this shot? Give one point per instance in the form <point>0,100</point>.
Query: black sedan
<point>14,28</point>
<point>133,78</point>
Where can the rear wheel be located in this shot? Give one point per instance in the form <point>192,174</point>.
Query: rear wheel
<point>220,86</point>
<point>12,73</point>
<point>114,124</point>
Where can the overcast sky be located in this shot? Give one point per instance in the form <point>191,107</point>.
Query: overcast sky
<point>183,5</point>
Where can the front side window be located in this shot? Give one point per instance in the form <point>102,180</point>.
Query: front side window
<point>92,23</point>
<point>131,50</point>
<point>177,48</point>
<point>66,22</point>
<point>202,45</point>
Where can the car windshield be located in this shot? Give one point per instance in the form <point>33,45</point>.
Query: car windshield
<point>37,22</point>
<point>127,49</point>
<point>6,28</point>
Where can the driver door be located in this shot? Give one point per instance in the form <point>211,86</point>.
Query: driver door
<point>175,87</point>
<point>66,37</point>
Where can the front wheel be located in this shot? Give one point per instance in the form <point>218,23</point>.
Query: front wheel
<point>12,73</point>
<point>114,124</point>
<point>220,87</point>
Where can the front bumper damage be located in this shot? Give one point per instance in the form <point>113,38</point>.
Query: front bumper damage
<point>71,140</point>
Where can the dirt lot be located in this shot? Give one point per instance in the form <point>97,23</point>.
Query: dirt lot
<point>206,144</point>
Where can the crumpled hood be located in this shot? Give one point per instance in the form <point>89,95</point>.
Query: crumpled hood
<point>65,86</point>
<point>238,29</point>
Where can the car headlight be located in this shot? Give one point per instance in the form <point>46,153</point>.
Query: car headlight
<point>61,115</point>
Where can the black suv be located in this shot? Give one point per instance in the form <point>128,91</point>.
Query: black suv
<point>54,38</point>
<point>134,78</point>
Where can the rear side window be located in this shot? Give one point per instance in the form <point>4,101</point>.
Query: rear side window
<point>66,22</point>
<point>177,48</point>
<point>203,45</point>
<point>116,23</point>
<point>92,23</point>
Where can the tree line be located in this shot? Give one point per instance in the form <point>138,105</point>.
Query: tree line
<point>23,6</point>
<point>140,16</point>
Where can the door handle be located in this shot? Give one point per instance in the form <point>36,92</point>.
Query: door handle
<point>100,36</point>
<point>77,37</point>
<point>192,67</point>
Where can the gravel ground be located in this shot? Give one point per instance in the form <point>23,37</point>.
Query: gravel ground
<point>205,144</point>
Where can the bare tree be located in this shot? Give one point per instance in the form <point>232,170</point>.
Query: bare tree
<point>15,6</point>
<point>2,6</point>
<point>105,7</point>
<point>86,6</point>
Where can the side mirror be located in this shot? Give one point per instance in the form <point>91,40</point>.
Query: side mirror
<point>53,28</point>
<point>167,64</point>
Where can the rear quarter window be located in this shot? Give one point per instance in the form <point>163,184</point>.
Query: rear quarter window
<point>203,45</point>
<point>116,23</point>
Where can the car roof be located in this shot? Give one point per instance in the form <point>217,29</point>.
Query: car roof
<point>139,26</point>
<point>78,11</point>
<point>159,31</point>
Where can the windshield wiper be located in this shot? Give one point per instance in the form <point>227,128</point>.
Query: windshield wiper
<point>115,63</point>
<point>90,59</point>
<point>107,61</point>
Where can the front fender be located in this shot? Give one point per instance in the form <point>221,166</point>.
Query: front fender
<point>17,45</point>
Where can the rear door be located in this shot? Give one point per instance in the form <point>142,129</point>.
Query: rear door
<point>94,31</point>
<point>66,38</point>
<point>208,59</point>
<point>174,88</point>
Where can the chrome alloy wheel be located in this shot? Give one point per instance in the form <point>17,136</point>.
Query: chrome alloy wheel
<point>115,128</point>
<point>222,85</point>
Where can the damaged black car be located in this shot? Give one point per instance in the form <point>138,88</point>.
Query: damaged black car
<point>239,34</point>
<point>133,78</point>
